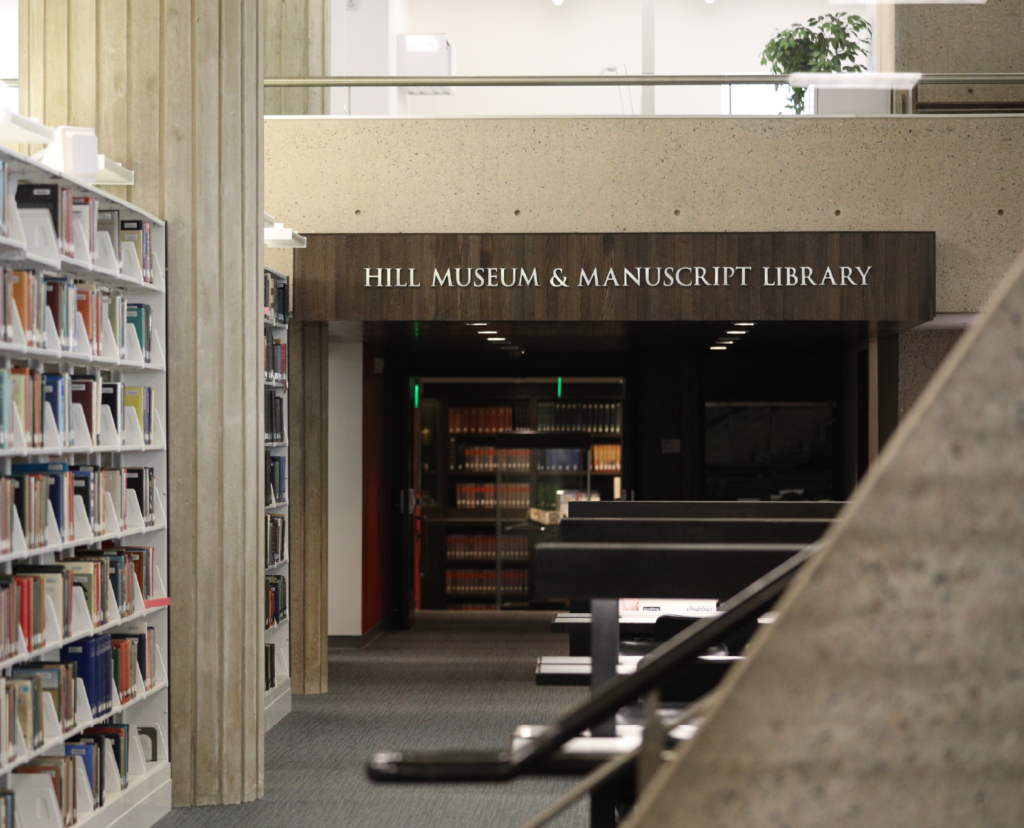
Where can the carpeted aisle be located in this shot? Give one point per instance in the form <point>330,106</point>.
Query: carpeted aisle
<point>458,680</point>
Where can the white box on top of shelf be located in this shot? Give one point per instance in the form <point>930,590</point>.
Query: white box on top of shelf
<point>74,151</point>
<point>428,56</point>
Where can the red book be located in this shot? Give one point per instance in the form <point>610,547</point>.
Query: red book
<point>25,600</point>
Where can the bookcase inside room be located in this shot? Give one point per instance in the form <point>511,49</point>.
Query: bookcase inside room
<point>486,499</point>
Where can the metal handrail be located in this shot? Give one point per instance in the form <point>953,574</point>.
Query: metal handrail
<point>941,78</point>
<point>946,78</point>
<point>664,661</point>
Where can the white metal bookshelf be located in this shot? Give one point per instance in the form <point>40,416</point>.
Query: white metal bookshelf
<point>30,243</point>
<point>278,697</point>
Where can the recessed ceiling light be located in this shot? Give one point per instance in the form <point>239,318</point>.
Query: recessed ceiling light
<point>718,347</point>
<point>734,333</point>
<point>495,339</point>
<point>485,333</point>
<point>745,324</point>
<point>477,324</point>
<point>725,341</point>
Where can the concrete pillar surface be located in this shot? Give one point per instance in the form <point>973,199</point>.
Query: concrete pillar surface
<point>889,692</point>
<point>297,44</point>
<point>174,90</point>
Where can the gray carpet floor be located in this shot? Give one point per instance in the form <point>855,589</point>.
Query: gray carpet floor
<point>455,680</point>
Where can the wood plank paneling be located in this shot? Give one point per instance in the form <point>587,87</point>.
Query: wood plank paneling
<point>900,286</point>
<point>307,451</point>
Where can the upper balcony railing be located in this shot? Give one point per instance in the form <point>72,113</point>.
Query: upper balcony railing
<point>906,87</point>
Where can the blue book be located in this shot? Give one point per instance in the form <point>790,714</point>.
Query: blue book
<point>83,480</point>
<point>94,662</point>
<point>53,395</point>
<point>87,750</point>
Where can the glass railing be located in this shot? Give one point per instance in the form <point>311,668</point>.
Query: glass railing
<point>675,95</point>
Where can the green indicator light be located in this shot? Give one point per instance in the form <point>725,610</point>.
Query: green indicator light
<point>416,395</point>
<point>559,388</point>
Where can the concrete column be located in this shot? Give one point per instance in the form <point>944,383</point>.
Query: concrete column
<point>174,90</point>
<point>297,45</point>
<point>307,478</point>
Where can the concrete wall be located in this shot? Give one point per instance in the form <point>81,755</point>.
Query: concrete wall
<point>962,177</point>
<point>920,354</point>
<point>976,37</point>
<point>345,487</point>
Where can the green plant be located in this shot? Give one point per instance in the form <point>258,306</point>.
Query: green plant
<point>831,43</point>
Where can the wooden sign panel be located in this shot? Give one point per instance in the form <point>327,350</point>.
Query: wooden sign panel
<point>617,277</point>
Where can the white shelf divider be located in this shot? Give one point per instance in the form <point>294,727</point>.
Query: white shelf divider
<point>40,237</point>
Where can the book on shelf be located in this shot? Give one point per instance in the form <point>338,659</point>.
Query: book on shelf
<point>273,416</point>
<point>28,297</point>
<point>88,393</point>
<point>140,316</point>
<point>61,770</point>
<point>93,658</point>
<point>112,396</point>
<point>57,584</point>
<point>489,419</point>
<point>596,418</point>
<point>85,212</point>
<point>140,397</point>
<point>62,300</point>
<point>490,495</point>
<point>57,395</point>
<point>275,471</point>
<point>485,581</point>
<point>275,298</point>
<point>91,302</point>
<point>276,600</point>
<point>142,481</point>
<point>139,234</point>
<point>88,751</point>
<point>461,548</point>
<point>58,680</point>
<point>117,735</point>
<point>109,222</point>
<point>487,458</point>
<point>269,667</point>
<point>275,539</point>
<point>27,400</point>
<point>59,201</point>
<point>275,366</point>
<point>58,484</point>
<point>116,312</point>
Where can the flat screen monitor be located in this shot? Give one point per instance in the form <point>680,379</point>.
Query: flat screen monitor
<point>769,451</point>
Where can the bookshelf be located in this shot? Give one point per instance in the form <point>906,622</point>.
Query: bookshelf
<point>487,452</point>
<point>83,502</point>
<point>277,635</point>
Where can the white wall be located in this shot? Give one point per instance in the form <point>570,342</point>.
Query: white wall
<point>364,34</point>
<point>580,37</point>
<point>345,488</point>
